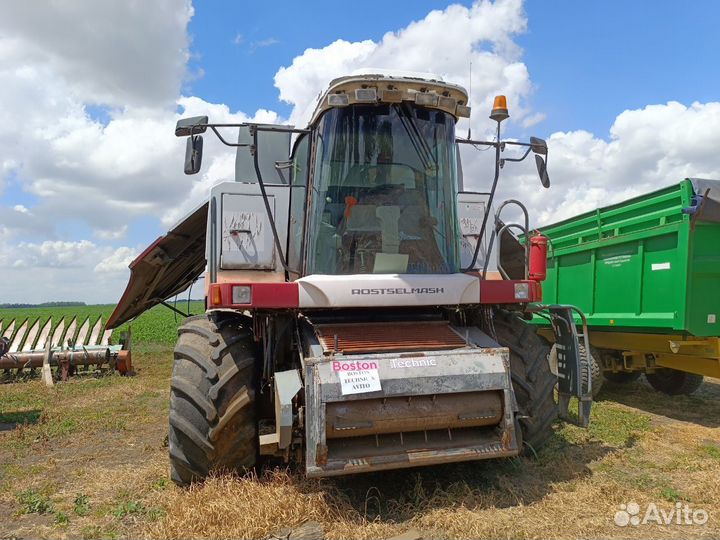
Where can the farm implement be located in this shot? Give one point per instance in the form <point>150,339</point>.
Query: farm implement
<point>69,347</point>
<point>645,271</point>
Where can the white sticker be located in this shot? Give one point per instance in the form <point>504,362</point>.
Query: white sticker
<point>711,318</point>
<point>660,266</point>
<point>617,260</point>
<point>359,382</point>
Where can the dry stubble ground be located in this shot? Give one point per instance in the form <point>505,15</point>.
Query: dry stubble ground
<point>87,459</point>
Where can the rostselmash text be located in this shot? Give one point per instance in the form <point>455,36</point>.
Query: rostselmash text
<point>401,290</point>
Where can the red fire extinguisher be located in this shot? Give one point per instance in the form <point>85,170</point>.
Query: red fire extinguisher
<point>538,256</point>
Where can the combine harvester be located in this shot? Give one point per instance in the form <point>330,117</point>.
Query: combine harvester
<point>646,272</point>
<point>343,329</point>
<point>24,347</point>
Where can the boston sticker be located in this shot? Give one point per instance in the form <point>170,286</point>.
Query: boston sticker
<point>357,377</point>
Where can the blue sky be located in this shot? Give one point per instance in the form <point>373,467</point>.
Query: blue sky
<point>625,92</point>
<point>589,61</point>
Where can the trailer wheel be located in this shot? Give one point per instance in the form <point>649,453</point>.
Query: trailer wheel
<point>674,382</point>
<point>533,382</point>
<point>213,424</point>
<point>621,377</point>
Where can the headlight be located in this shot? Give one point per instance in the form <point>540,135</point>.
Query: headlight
<point>522,291</point>
<point>241,294</point>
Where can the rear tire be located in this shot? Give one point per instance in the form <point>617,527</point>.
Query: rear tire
<point>213,424</point>
<point>674,382</point>
<point>533,382</point>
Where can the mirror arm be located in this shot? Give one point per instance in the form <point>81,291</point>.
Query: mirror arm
<point>214,127</point>
<point>476,143</point>
<point>520,158</point>
<point>497,146</point>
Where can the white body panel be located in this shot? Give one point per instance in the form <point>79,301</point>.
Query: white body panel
<point>368,290</point>
<point>240,206</point>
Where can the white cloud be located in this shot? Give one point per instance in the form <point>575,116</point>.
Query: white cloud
<point>51,254</point>
<point>113,53</point>
<point>262,43</point>
<point>117,262</point>
<point>111,234</point>
<point>481,34</point>
<point>648,149</point>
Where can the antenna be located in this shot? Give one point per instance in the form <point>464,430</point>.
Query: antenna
<point>470,98</point>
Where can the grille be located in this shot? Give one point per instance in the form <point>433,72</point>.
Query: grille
<point>357,338</point>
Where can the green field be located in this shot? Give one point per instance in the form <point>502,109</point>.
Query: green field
<point>157,325</point>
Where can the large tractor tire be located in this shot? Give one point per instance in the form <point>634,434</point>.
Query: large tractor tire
<point>674,382</point>
<point>213,424</point>
<point>533,382</point>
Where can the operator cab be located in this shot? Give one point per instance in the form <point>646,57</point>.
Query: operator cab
<point>383,194</point>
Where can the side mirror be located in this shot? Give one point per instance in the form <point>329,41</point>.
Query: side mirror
<point>193,154</point>
<point>539,146</point>
<point>191,126</point>
<point>542,170</point>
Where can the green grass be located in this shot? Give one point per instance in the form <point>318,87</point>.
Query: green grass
<point>712,451</point>
<point>35,502</point>
<point>157,325</point>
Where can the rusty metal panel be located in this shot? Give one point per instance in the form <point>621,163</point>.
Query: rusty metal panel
<point>357,338</point>
<point>413,413</point>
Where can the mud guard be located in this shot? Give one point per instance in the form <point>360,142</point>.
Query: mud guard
<point>573,363</point>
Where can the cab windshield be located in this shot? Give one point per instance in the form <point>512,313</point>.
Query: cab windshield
<point>384,189</point>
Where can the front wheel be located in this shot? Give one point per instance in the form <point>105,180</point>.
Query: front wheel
<point>533,382</point>
<point>213,424</point>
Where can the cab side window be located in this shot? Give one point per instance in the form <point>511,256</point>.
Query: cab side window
<point>298,192</point>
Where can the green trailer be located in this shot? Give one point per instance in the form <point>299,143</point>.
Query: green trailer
<point>646,273</point>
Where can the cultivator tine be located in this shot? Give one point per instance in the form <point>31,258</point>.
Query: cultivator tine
<point>82,334</point>
<point>31,335</point>
<point>70,333</point>
<point>9,330</point>
<point>106,337</point>
<point>56,338</point>
<point>95,332</point>
<point>19,335</point>
<point>44,335</point>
